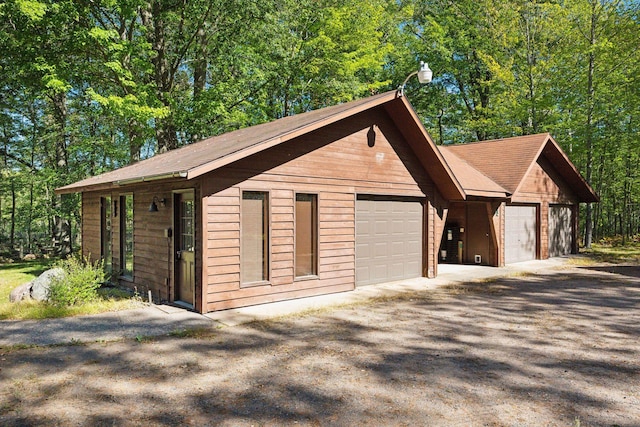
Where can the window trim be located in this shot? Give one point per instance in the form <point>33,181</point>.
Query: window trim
<point>316,239</point>
<point>266,243</point>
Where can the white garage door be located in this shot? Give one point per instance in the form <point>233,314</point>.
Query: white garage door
<point>520,233</point>
<point>560,234</point>
<point>388,241</point>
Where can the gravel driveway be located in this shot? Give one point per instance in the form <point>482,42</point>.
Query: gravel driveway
<point>554,349</point>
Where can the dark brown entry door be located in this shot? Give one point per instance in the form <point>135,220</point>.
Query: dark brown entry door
<point>185,248</point>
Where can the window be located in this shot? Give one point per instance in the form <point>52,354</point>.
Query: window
<point>254,237</point>
<point>306,235</point>
<point>126,235</point>
<point>187,241</point>
<point>105,231</point>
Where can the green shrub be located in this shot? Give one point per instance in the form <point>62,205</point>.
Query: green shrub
<point>79,284</point>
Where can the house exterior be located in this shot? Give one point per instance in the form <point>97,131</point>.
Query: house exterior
<point>522,204</point>
<point>311,204</point>
<point>323,202</point>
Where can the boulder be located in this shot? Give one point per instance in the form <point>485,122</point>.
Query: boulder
<point>40,285</point>
<point>21,292</point>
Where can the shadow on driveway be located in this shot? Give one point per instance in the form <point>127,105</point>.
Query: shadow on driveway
<point>550,349</point>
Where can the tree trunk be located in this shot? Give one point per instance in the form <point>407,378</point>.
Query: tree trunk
<point>12,229</point>
<point>61,229</point>
<point>135,141</point>
<point>166,134</point>
<point>200,67</point>
<point>30,219</point>
<point>588,233</point>
<point>153,19</point>
<point>440,126</point>
<point>200,71</point>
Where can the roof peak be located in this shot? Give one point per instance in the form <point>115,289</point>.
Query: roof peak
<point>543,137</point>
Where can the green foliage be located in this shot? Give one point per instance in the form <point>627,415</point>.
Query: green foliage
<point>79,284</point>
<point>15,274</point>
<point>91,86</point>
<point>34,10</point>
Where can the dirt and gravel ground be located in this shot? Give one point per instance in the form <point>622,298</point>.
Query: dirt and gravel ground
<point>556,349</point>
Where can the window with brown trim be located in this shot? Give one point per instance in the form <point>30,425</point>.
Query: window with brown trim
<point>306,235</point>
<point>254,237</point>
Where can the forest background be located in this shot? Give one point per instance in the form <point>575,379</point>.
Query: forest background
<point>87,86</point>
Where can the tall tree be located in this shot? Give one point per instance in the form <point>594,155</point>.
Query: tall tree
<point>467,44</point>
<point>600,59</point>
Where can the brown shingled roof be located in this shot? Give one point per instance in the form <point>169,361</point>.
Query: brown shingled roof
<point>207,155</point>
<point>507,161</point>
<point>474,182</point>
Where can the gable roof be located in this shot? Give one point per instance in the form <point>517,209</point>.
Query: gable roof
<point>212,153</point>
<point>474,182</point>
<point>508,161</point>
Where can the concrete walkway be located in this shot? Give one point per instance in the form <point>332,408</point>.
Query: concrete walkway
<point>157,320</point>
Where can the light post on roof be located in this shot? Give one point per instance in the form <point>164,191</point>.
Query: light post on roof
<point>424,76</point>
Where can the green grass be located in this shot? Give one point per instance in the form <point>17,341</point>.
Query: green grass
<point>12,275</point>
<point>616,254</point>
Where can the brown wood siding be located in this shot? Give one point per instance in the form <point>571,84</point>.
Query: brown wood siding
<point>91,247</point>
<point>336,261</point>
<point>153,262</point>
<point>544,230</point>
<point>493,212</point>
<point>543,183</point>
<point>363,155</point>
<point>501,234</point>
<point>438,213</point>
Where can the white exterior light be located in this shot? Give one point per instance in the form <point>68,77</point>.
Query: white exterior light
<point>425,75</point>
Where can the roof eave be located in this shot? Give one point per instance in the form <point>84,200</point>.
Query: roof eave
<point>586,193</point>
<point>73,188</point>
<point>487,194</point>
<point>287,136</point>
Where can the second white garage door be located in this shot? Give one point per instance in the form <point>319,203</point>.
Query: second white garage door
<point>520,233</point>
<point>560,230</point>
<point>388,240</point>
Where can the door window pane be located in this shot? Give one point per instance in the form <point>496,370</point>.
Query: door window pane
<point>186,226</point>
<point>254,237</point>
<point>306,235</point>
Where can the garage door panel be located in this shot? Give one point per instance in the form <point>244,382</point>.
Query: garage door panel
<point>398,227</point>
<point>392,248</point>
<point>380,250</point>
<point>560,230</point>
<point>520,233</point>
<point>364,249</point>
<point>363,273</point>
<point>414,248</point>
<point>380,271</point>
